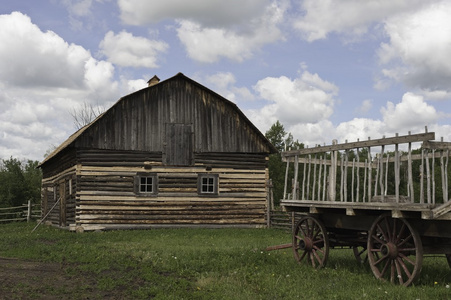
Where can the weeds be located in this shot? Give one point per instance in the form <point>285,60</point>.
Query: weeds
<point>202,264</point>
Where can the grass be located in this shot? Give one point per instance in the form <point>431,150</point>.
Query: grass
<point>204,264</point>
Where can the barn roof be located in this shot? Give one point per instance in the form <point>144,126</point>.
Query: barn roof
<point>78,133</point>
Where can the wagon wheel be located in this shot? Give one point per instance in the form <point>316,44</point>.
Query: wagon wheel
<point>395,251</point>
<point>360,254</point>
<point>310,242</point>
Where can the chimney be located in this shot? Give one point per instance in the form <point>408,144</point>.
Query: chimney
<point>153,81</point>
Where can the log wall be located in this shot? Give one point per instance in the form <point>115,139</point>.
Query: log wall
<point>106,196</point>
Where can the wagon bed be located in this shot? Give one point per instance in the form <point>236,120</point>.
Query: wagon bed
<point>391,200</point>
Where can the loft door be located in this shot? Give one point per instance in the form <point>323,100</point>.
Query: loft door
<point>178,145</point>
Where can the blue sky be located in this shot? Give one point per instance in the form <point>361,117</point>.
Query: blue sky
<point>326,70</point>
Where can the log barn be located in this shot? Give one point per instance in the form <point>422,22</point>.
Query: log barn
<point>174,154</point>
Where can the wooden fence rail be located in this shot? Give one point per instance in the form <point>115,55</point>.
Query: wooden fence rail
<point>24,212</point>
<point>283,220</point>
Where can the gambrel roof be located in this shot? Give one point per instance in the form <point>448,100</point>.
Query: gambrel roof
<point>138,121</point>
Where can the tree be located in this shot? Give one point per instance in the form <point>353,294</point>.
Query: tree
<point>282,141</point>
<point>85,114</point>
<point>19,182</point>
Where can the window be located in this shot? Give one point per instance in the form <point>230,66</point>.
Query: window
<point>146,184</point>
<point>208,184</point>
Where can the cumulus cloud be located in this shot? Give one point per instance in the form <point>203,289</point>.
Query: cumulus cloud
<point>209,44</point>
<point>365,107</point>
<point>318,18</point>
<point>42,77</point>
<point>224,83</point>
<point>212,13</point>
<point>28,53</point>
<point>411,113</point>
<point>417,53</point>
<point>307,99</point>
<point>125,49</point>
<point>211,30</point>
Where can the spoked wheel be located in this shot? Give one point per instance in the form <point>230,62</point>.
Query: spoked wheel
<point>395,251</point>
<point>310,242</point>
<point>360,254</point>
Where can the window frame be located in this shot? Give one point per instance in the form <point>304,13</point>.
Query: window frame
<point>200,184</point>
<point>138,184</point>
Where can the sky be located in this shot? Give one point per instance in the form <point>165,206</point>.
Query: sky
<point>326,70</point>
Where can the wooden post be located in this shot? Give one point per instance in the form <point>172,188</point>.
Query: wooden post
<point>308,177</point>
<point>364,180</point>
<point>345,186</point>
<point>333,173</point>
<point>422,177</point>
<point>442,169</point>
<point>446,175</point>
<point>369,173</point>
<point>378,159</point>
<point>397,172</point>
<point>410,176</point>
<point>386,175</point>
<point>319,177</point>
<point>286,180</point>
<point>433,176</point>
<point>29,211</point>
<point>428,178</point>
<point>381,181</point>
<point>342,177</point>
<point>314,178</point>
<point>304,176</point>
<point>358,176</point>
<point>296,169</point>
<point>352,180</point>
<point>325,180</point>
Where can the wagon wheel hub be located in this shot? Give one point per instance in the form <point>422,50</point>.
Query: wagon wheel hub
<point>389,250</point>
<point>306,244</point>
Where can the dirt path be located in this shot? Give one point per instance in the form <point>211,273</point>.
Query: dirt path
<point>21,279</point>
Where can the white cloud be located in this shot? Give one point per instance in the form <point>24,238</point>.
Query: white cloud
<point>365,107</point>
<point>211,30</point>
<point>418,51</point>
<point>320,17</point>
<point>410,114</point>
<point>131,86</point>
<point>27,53</point>
<point>361,129</point>
<point>312,134</point>
<point>127,50</point>
<point>42,77</point>
<point>79,8</point>
<point>209,44</point>
<point>215,13</point>
<point>307,99</point>
<point>224,83</point>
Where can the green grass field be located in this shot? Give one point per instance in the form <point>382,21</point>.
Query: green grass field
<point>197,264</point>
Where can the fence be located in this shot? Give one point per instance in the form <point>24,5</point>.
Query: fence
<point>283,220</point>
<point>24,212</point>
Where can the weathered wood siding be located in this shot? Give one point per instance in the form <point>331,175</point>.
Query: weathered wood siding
<point>59,189</point>
<point>139,121</point>
<point>106,197</point>
<point>176,130</point>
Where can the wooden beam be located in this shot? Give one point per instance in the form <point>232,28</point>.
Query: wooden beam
<point>422,137</point>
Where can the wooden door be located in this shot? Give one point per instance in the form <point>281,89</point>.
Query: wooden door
<point>178,149</point>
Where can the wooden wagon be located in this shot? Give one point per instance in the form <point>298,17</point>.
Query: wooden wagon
<point>387,202</point>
